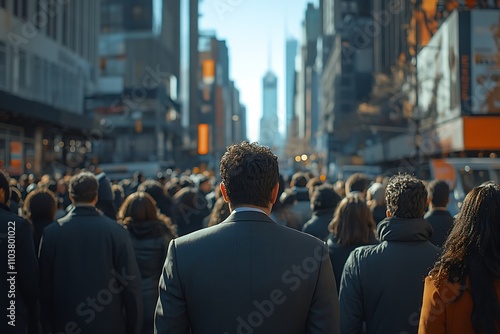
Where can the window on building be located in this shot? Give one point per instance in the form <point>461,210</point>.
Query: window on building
<point>111,17</point>
<point>23,69</point>
<point>17,8</point>
<point>346,108</point>
<point>54,85</point>
<point>55,19</point>
<point>24,9</point>
<point>3,65</point>
<point>65,27</point>
<point>38,77</point>
<point>47,78</point>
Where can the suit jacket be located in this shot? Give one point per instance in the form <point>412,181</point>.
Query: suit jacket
<point>247,275</point>
<point>89,276</point>
<point>19,283</point>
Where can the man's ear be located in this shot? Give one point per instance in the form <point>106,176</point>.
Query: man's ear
<point>274,193</point>
<point>224,192</point>
<point>2,196</point>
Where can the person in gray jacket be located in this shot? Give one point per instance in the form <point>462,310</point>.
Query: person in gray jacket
<point>248,274</point>
<point>382,285</point>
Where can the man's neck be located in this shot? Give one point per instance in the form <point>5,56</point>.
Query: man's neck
<point>438,208</point>
<point>267,210</point>
<point>80,204</point>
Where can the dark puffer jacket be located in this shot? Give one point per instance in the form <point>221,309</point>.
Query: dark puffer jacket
<point>383,284</point>
<point>150,241</point>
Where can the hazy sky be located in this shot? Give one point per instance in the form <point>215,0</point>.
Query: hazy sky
<point>249,27</point>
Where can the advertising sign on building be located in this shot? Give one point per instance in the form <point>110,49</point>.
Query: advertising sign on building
<point>485,61</point>
<point>438,75</point>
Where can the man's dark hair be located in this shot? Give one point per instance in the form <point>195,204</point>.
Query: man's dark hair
<point>83,187</point>
<point>356,182</point>
<point>249,172</point>
<point>439,193</point>
<point>406,196</point>
<point>4,184</point>
<point>324,197</point>
<point>299,180</point>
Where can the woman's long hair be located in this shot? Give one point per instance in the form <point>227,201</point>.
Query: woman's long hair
<point>472,251</point>
<point>140,207</point>
<point>352,222</point>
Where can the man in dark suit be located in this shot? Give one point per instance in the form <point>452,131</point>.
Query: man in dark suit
<point>438,216</point>
<point>90,282</point>
<point>19,274</point>
<point>248,274</point>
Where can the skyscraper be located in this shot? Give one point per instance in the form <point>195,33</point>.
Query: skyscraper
<point>269,129</point>
<point>291,53</point>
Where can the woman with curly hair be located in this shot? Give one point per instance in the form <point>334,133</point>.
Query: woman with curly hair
<point>150,233</point>
<point>462,291</point>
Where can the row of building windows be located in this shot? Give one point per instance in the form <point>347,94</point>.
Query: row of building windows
<point>33,77</point>
<point>73,24</point>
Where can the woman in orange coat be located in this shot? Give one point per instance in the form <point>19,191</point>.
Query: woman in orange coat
<point>462,291</point>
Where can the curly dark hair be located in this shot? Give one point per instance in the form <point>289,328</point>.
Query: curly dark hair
<point>472,251</point>
<point>249,173</point>
<point>406,196</point>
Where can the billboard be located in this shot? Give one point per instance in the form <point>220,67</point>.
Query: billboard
<point>438,75</point>
<point>485,61</point>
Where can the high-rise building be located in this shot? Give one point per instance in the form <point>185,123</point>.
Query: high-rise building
<point>291,54</point>
<point>269,129</point>
<point>306,107</point>
<point>146,85</point>
<point>347,75</point>
<point>48,66</point>
<point>221,108</point>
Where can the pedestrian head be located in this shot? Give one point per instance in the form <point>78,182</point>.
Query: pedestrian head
<point>406,197</point>
<point>83,188</point>
<point>249,174</point>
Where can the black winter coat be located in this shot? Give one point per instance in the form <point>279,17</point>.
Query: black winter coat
<point>383,284</point>
<point>22,296</point>
<point>339,255</point>
<point>150,241</point>
<point>441,222</point>
<point>318,224</point>
<point>89,276</point>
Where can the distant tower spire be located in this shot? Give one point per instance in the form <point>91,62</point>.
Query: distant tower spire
<point>269,54</point>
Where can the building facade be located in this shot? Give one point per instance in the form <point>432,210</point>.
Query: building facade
<point>48,66</point>
<point>220,108</point>
<point>291,55</point>
<point>269,123</point>
<point>140,107</point>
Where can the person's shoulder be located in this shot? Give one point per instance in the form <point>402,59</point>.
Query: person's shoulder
<point>12,221</point>
<point>448,291</point>
<point>366,252</point>
<point>297,237</point>
<point>9,216</point>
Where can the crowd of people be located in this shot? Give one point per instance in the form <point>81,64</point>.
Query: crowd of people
<point>253,253</point>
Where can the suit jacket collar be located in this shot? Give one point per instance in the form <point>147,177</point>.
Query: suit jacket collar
<point>248,216</point>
